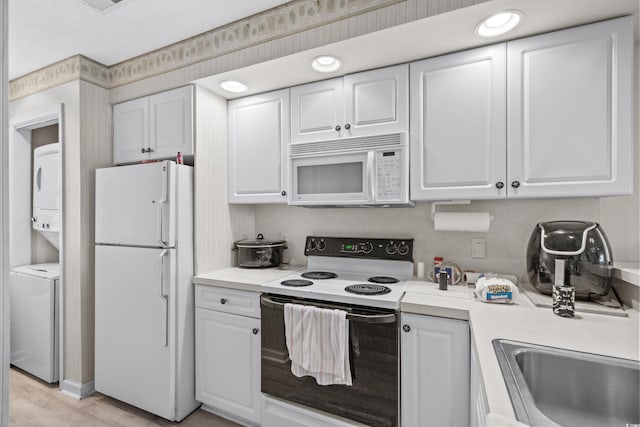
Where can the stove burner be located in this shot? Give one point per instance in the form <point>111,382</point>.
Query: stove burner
<point>319,275</point>
<point>296,282</point>
<point>367,289</point>
<point>383,279</point>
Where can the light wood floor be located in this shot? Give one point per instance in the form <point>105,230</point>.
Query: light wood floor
<point>34,403</point>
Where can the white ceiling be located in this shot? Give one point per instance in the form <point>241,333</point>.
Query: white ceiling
<point>42,32</point>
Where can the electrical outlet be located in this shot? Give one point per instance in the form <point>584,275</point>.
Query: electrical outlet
<point>478,248</point>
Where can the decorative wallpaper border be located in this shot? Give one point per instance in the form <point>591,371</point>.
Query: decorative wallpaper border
<point>290,18</point>
<point>294,17</point>
<point>77,67</point>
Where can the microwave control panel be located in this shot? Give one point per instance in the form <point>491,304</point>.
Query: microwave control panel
<point>388,175</point>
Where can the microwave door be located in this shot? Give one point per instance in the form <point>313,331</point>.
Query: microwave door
<point>338,179</point>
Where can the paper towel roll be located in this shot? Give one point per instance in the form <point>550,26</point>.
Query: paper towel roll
<point>461,221</point>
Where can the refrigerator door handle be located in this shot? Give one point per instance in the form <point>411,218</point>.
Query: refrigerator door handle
<point>165,296</point>
<point>160,209</point>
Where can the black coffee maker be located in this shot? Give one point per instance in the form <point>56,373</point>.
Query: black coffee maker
<point>585,249</point>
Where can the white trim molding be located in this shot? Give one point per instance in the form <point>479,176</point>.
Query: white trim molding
<point>77,391</point>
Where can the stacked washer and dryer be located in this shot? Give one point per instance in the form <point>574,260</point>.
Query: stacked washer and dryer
<point>35,288</point>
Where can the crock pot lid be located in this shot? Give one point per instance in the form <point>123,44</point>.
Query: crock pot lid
<point>565,237</point>
<point>259,242</point>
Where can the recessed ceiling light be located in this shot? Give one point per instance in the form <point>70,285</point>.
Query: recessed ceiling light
<point>325,64</point>
<point>499,23</point>
<point>233,86</point>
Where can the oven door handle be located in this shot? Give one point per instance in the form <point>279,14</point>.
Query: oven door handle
<point>363,318</point>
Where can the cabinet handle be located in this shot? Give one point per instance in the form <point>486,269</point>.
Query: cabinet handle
<point>338,128</point>
<point>223,301</point>
<point>347,126</point>
<point>406,328</point>
<point>515,184</point>
<point>499,185</point>
<point>255,331</point>
<point>284,193</point>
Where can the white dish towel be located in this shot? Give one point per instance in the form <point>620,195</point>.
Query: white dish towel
<point>318,343</point>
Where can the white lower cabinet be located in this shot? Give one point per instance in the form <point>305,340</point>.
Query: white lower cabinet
<point>478,407</point>
<point>227,359</point>
<point>434,371</point>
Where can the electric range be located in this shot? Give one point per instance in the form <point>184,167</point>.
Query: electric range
<point>359,271</point>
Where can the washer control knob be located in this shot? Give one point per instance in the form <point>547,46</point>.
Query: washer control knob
<point>367,247</point>
<point>403,248</point>
<point>322,245</point>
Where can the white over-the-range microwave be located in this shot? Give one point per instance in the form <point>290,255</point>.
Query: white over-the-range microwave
<point>358,171</point>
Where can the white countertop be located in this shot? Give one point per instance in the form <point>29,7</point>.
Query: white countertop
<point>627,271</point>
<point>248,279</point>
<point>592,333</point>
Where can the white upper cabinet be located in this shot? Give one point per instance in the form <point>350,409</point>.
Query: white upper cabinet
<point>367,103</point>
<point>570,112</point>
<point>552,119</point>
<point>154,127</point>
<point>258,138</point>
<point>376,101</point>
<point>316,111</point>
<point>458,125</point>
<point>131,131</point>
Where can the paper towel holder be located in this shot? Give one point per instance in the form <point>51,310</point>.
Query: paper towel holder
<point>447,202</point>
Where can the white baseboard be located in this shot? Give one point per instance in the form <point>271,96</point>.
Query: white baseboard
<point>77,391</point>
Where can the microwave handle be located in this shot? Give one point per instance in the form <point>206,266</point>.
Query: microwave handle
<point>370,175</point>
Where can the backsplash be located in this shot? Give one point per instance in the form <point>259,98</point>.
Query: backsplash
<point>506,242</point>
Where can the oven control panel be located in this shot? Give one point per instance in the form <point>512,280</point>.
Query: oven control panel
<point>359,247</point>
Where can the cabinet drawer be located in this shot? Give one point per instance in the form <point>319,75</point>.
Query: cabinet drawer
<point>227,300</point>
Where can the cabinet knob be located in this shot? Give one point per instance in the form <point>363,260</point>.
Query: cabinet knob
<point>143,150</point>
<point>347,126</point>
<point>406,328</point>
<point>284,193</point>
<point>223,301</point>
<point>255,331</point>
<point>499,185</point>
<point>338,128</point>
<point>149,150</point>
<point>515,184</point>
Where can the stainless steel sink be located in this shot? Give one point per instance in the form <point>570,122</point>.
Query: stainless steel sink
<point>550,386</point>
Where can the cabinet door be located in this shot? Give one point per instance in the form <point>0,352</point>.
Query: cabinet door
<point>316,111</point>
<point>570,106</point>
<point>130,131</point>
<point>377,101</point>
<point>228,363</point>
<point>458,125</point>
<point>434,371</point>
<point>258,140</point>
<point>171,123</point>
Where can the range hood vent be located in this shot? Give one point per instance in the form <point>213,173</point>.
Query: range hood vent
<point>102,4</point>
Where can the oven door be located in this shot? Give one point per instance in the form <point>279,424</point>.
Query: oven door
<point>333,179</point>
<point>373,336</point>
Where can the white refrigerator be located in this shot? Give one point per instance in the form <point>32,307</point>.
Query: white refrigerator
<point>144,313</point>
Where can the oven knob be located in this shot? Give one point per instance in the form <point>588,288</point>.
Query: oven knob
<point>406,328</point>
<point>322,245</point>
<point>312,245</point>
<point>390,248</point>
<point>367,247</point>
<point>403,248</point>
